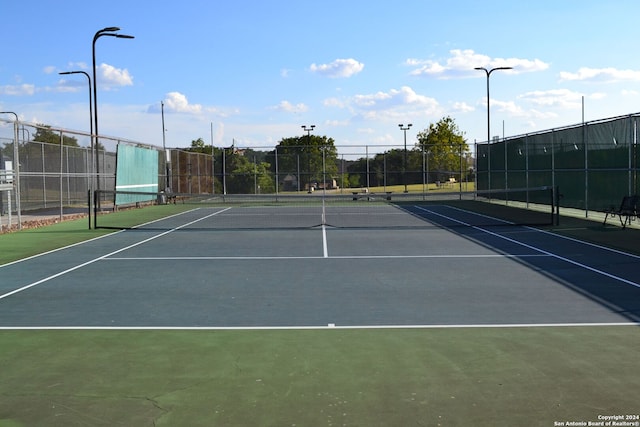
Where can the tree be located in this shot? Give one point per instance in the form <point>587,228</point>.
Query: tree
<point>311,158</point>
<point>446,148</point>
<point>45,134</point>
<point>249,176</point>
<point>383,168</point>
<point>239,170</point>
<point>198,146</point>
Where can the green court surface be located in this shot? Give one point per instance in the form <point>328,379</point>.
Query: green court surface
<point>431,377</point>
<point>439,375</point>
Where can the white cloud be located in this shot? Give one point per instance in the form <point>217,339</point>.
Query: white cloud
<point>462,107</point>
<point>338,68</point>
<point>220,112</point>
<point>561,98</point>
<point>287,107</point>
<point>17,90</point>
<point>78,66</point>
<point>601,75</point>
<point>333,102</point>
<point>395,104</point>
<point>178,103</point>
<point>366,131</point>
<point>110,77</point>
<point>336,123</point>
<point>522,65</point>
<point>461,63</point>
<point>405,96</point>
<point>510,108</point>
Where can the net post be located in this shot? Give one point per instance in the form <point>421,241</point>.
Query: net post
<point>96,197</point>
<point>89,207</point>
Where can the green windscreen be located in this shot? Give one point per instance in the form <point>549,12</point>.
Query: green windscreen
<point>136,171</point>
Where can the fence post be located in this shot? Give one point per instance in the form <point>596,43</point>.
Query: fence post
<point>61,180</point>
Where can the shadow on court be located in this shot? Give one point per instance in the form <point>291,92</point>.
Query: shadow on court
<point>605,276</point>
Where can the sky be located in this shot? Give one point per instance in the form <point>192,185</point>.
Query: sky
<point>251,73</point>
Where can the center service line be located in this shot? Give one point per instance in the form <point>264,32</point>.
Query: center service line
<point>325,250</point>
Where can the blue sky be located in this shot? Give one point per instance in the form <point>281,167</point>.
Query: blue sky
<point>255,72</point>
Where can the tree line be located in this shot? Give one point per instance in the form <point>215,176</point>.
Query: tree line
<point>311,162</point>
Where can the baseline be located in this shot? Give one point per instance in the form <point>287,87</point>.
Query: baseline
<point>319,327</point>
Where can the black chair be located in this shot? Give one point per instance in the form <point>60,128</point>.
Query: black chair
<point>627,212</point>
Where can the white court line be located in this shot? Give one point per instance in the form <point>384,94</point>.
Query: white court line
<point>570,261</point>
<point>537,230</point>
<point>91,240</point>
<point>319,327</point>
<point>59,249</point>
<point>62,273</point>
<point>326,256</point>
<point>325,250</point>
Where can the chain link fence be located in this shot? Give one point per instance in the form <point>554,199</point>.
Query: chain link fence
<point>59,169</point>
<point>594,164</point>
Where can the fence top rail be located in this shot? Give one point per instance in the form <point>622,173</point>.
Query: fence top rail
<point>561,128</point>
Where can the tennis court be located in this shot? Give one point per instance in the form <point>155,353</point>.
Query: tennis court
<point>358,313</point>
<point>407,266</point>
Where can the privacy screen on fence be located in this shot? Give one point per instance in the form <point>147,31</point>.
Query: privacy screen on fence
<point>595,164</point>
<point>136,171</point>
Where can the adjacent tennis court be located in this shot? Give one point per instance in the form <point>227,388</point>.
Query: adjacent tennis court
<point>457,286</point>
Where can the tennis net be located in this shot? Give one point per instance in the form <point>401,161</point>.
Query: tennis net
<point>356,209</point>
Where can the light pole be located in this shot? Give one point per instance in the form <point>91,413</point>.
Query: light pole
<point>90,99</point>
<point>107,31</point>
<point>404,165</point>
<point>91,162</point>
<point>308,130</point>
<point>488,73</point>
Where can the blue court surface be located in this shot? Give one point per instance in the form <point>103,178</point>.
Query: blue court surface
<point>435,268</point>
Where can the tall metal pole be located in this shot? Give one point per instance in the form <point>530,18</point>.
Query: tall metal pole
<point>224,171</point>
<point>488,73</point>
<point>90,100</point>
<point>107,31</point>
<point>91,161</point>
<point>213,165</point>
<point>308,131</point>
<point>404,166</point>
